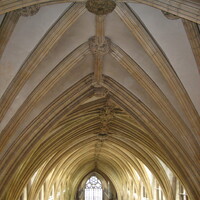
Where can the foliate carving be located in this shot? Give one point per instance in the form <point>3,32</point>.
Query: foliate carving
<point>100,7</point>
<point>28,11</point>
<point>106,115</point>
<point>99,48</point>
<point>170,16</point>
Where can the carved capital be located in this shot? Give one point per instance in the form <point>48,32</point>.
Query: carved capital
<point>170,16</point>
<point>99,48</point>
<point>100,7</point>
<point>28,11</point>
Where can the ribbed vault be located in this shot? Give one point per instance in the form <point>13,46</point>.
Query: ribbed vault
<point>99,94</point>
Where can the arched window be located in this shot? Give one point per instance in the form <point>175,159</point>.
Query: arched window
<point>93,189</point>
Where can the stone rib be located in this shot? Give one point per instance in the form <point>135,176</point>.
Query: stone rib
<point>163,137</point>
<point>153,90</point>
<point>158,57</point>
<point>42,124</point>
<point>193,34</point>
<point>43,87</point>
<point>39,53</point>
<point>7,26</point>
<point>184,9</point>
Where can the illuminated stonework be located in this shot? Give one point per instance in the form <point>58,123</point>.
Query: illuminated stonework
<point>100,7</point>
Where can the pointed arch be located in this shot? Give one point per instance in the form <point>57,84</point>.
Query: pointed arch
<point>159,133</point>
<point>46,121</point>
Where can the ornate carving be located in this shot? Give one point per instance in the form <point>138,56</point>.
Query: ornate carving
<point>169,15</point>
<point>100,7</point>
<point>99,48</point>
<point>106,115</point>
<point>28,11</point>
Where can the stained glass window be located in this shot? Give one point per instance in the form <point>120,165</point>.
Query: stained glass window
<point>93,189</point>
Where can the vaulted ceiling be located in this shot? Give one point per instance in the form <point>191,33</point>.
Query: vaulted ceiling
<point>81,92</point>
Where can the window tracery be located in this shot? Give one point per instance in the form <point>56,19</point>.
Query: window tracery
<point>93,189</point>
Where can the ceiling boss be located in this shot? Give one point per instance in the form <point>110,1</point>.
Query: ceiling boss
<point>100,7</point>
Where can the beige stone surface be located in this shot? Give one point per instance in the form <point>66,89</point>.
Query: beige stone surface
<point>117,95</point>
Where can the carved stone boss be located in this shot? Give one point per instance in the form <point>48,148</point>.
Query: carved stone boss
<point>99,48</point>
<point>106,116</point>
<point>28,11</point>
<point>100,7</point>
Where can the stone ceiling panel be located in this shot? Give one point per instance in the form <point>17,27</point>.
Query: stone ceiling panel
<point>27,34</point>
<point>171,37</point>
<point>114,70</point>
<point>133,48</point>
<point>79,104</point>
<point>1,18</point>
<point>69,79</point>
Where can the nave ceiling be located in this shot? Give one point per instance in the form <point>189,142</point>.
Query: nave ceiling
<point>83,92</point>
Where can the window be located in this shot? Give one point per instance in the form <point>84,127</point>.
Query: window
<point>183,195</point>
<point>93,189</point>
